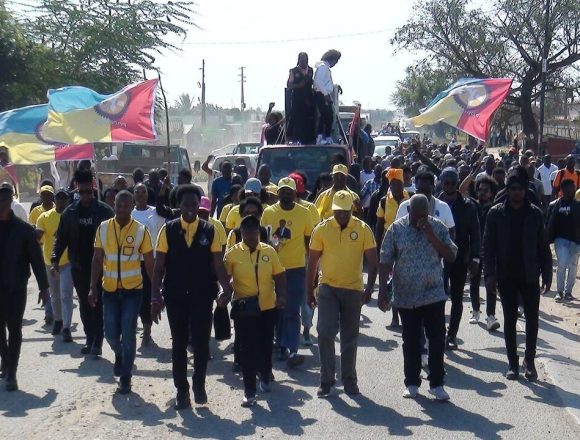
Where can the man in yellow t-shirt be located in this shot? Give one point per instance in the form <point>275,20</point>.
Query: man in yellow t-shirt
<point>339,244</point>
<point>389,204</point>
<point>290,228</point>
<point>255,270</point>
<point>324,201</point>
<point>252,188</point>
<point>61,282</point>
<point>120,244</point>
<point>188,261</point>
<point>47,203</point>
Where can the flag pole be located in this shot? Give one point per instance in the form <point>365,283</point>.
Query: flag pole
<point>166,123</point>
<point>97,174</point>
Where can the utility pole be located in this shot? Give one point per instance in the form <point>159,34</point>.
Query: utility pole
<point>547,39</point>
<point>242,81</point>
<point>203,93</point>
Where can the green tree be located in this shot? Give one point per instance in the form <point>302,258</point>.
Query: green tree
<point>184,104</point>
<point>504,38</point>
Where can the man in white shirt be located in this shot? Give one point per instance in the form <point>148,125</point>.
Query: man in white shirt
<point>425,183</point>
<point>146,215</point>
<point>323,90</point>
<point>546,173</point>
<point>109,156</point>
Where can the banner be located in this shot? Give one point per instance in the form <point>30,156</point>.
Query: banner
<point>78,115</point>
<point>20,133</point>
<point>467,105</point>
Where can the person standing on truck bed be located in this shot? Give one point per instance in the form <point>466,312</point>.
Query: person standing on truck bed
<point>301,115</point>
<point>323,90</point>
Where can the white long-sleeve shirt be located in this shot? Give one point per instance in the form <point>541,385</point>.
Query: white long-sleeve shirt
<point>322,81</point>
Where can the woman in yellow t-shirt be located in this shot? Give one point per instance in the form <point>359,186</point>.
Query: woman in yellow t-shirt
<point>259,285</point>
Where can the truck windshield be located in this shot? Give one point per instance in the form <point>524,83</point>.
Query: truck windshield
<point>310,160</point>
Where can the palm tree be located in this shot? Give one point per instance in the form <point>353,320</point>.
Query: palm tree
<point>184,104</point>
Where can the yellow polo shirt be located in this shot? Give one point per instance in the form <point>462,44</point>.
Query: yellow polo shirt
<point>35,213</point>
<point>125,246</point>
<point>225,211</point>
<point>341,263</point>
<point>389,212</point>
<point>234,220</point>
<point>219,230</point>
<point>291,227</point>
<point>241,266</point>
<point>324,202</point>
<point>190,230</point>
<point>311,209</point>
<point>48,223</point>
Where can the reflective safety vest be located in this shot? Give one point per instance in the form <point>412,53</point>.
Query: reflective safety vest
<point>122,264</point>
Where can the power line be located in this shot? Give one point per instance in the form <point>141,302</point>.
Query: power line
<point>289,40</point>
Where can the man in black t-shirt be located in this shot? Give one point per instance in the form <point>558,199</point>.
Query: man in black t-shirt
<point>564,232</point>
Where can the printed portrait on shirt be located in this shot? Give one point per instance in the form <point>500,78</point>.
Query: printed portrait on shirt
<point>283,231</point>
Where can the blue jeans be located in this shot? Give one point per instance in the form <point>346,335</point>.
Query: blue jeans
<point>120,312</point>
<point>296,280</point>
<point>567,253</point>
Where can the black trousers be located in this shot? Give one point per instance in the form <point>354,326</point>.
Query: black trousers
<point>490,297</point>
<point>432,317</point>
<point>12,305</point>
<point>256,340</point>
<point>145,312</point>
<point>189,320</point>
<point>457,276</point>
<point>91,317</point>
<point>511,291</point>
<point>325,113</point>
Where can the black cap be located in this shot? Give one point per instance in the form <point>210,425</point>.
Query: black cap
<point>6,187</point>
<point>61,192</point>
<point>250,222</point>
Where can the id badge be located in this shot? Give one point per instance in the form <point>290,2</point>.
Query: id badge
<point>128,251</point>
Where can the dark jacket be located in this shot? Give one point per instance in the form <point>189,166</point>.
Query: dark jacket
<point>467,230</point>
<point>501,196</point>
<point>553,213</point>
<point>21,251</point>
<point>536,249</point>
<point>67,234</point>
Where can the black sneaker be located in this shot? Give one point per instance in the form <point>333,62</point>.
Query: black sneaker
<point>124,385</point>
<point>199,395</point>
<point>451,343</point>
<point>283,354</point>
<point>530,371</point>
<point>56,328</point>
<point>512,374</point>
<point>182,401</point>
<point>559,297</point>
<point>568,297</point>
<point>86,349</point>
<point>96,351</point>
<point>48,320</point>
<point>11,382</point>
<point>324,390</point>
<point>294,360</point>
<point>66,335</point>
<point>118,365</point>
<point>237,368</point>
<point>351,389</point>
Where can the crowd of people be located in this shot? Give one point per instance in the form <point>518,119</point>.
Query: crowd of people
<point>422,219</point>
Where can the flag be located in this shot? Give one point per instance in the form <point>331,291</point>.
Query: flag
<point>20,133</point>
<point>467,105</point>
<point>79,115</point>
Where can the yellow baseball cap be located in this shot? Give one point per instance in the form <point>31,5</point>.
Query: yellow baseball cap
<point>342,201</point>
<point>287,182</point>
<point>46,188</point>
<point>340,169</point>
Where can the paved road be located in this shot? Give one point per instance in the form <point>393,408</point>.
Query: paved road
<point>64,395</point>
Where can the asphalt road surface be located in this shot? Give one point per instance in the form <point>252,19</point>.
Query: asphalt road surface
<point>65,395</point>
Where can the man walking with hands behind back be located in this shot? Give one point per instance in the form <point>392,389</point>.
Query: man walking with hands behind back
<point>515,253</point>
<point>339,244</point>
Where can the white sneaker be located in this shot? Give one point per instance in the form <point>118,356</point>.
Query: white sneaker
<point>424,360</point>
<point>492,323</point>
<point>319,139</point>
<point>411,392</point>
<point>439,393</point>
<point>474,318</point>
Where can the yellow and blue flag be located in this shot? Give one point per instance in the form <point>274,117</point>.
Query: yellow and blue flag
<point>78,115</point>
<point>20,133</point>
